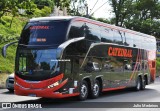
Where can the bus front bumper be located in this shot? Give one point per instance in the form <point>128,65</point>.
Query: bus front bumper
<point>46,93</point>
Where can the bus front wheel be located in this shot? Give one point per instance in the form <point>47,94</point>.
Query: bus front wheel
<point>83,91</point>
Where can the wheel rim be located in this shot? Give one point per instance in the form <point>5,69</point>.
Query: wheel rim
<point>83,90</point>
<point>138,84</point>
<point>95,89</point>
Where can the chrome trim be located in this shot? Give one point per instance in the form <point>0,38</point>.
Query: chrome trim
<point>51,18</point>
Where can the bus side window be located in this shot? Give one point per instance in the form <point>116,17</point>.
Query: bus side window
<point>92,32</point>
<point>128,39</point>
<point>106,35</point>
<point>68,67</point>
<point>22,64</point>
<point>117,37</point>
<point>76,30</point>
<point>128,64</point>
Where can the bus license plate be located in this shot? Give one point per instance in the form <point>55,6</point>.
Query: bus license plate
<point>32,95</point>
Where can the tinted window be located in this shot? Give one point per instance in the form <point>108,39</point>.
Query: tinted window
<point>106,35</point>
<point>77,30</point>
<point>128,41</point>
<point>117,37</point>
<point>92,32</point>
<point>137,41</point>
<point>44,33</point>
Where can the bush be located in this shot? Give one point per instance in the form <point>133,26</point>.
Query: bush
<point>43,12</point>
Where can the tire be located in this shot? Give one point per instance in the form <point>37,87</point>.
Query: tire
<point>83,91</point>
<point>11,90</point>
<point>138,84</point>
<point>143,86</point>
<point>95,90</point>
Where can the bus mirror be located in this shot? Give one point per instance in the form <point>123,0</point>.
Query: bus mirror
<point>4,49</point>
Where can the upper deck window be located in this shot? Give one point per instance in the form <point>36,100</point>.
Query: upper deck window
<point>44,33</point>
<point>76,30</point>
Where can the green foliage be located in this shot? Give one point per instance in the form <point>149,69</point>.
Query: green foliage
<point>12,22</point>
<point>103,20</point>
<point>43,12</point>
<point>46,11</point>
<point>7,64</point>
<point>41,3</point>
<point>158,66</point>
<point>139,15</point>
<point>16,28</point>
<point>7,35</point>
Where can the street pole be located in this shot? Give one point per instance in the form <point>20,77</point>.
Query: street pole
<point>87,15</point>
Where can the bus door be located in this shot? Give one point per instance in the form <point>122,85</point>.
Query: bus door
<point>72,68</point>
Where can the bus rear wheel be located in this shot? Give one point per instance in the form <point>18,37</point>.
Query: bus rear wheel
<point>95,90</point>
<point>138,84</point>
<point>144,84</point>
<point>83,91</point>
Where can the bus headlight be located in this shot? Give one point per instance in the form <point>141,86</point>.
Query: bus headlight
<point>54,84</point>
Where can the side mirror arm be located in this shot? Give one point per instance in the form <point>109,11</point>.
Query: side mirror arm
<point>4,49</point>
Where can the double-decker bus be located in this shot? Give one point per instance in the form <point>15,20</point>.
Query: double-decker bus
<point>61,57</point>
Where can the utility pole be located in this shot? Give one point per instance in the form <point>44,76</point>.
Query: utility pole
<point>87,15</point>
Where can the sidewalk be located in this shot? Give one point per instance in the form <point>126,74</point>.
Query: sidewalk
<point>3,78</point>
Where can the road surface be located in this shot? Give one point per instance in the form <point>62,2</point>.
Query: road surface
<point>125,98</point>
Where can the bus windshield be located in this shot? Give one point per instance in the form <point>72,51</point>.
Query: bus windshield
<point>44,33</point>
<point>37,64</point>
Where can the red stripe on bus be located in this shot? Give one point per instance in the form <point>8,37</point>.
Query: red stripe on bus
<point>112,89</point>
<point>38,85</point>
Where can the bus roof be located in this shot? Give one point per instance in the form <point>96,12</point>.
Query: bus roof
<point>51,18</point>
<point>91,21</point>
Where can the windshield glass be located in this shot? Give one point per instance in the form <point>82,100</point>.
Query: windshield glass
<point>44,33</point>
<point>37,64</point>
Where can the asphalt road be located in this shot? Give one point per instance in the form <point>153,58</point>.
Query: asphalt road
<point>110,101</point>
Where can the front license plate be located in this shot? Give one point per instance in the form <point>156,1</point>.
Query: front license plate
<point>32,95</point>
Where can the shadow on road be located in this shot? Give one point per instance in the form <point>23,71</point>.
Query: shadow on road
<point>7,92</point>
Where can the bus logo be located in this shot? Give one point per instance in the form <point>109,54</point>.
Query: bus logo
<point>121,52</point>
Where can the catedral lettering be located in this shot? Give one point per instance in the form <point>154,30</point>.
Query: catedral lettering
<point>121,52</point>
<point>61,57</point>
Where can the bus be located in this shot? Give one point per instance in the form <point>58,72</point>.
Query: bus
<point>68,56</point>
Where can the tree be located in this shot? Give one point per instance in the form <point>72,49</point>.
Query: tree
<point>139,15</point>
<point>122,9</point>
<point>78,7</point>
<point>4,7</point>
<point>41,3</point>
<point>145,17</point>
